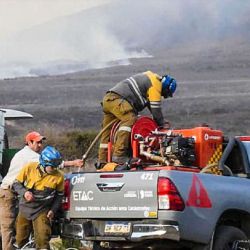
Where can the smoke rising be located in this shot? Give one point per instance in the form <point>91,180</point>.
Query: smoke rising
<point>113,33</point>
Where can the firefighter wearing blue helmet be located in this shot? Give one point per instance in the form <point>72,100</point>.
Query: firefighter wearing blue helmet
<point>168,86</point>
<point>124,101</point>
<point>50,158</point>
<point>40,186</point>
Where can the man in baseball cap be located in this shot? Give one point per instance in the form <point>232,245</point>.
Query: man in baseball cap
<point>34,136</point>
<point>34,145</point>
<point>29,153</point>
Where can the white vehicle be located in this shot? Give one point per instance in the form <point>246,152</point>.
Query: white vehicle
<point>5,152</point>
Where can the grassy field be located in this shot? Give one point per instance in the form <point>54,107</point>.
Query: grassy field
<point>213,87</point>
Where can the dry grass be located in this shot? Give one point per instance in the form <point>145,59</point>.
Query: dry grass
<point>214,87</point>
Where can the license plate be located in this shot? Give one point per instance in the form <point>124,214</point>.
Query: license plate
<point>117,227</point>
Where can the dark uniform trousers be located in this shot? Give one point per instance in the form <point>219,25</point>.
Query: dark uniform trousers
<point>41,227</point>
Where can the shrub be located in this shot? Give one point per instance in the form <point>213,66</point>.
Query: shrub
<point>73,144</point>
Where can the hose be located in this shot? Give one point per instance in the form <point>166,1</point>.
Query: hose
<point>86,154</point>
<point>153,157</point>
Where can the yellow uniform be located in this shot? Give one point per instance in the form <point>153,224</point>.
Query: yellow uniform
<point>47,190</point>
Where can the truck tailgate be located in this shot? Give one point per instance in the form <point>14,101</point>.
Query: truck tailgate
<point>114,195</point>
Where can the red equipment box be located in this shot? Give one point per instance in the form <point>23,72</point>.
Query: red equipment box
<point>208,144</point>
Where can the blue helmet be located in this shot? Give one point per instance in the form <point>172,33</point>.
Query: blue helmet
<point>169,86</point>
<point>50,157</point>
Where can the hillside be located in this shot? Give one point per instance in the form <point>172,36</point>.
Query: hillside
<point>213,87</point>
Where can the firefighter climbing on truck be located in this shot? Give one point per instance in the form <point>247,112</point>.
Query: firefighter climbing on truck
<point>124,101</point>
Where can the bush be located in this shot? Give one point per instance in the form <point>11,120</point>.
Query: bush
<point>73,144</point>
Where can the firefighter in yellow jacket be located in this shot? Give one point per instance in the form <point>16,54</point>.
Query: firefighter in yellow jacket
<point>124,101</point>
<point>40,187</point>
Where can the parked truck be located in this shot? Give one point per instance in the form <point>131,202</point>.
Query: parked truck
<point>6,153</point>
<point>185,188</point>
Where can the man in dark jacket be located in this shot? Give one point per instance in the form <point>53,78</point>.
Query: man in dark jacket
<point>40,187</point>
<point>124,101</point>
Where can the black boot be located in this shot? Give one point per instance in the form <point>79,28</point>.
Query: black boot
<point>99,165</point>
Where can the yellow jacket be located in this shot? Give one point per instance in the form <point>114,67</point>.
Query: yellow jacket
<point>47,189</point>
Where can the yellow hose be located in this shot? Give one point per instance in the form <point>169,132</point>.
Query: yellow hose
<point>85,156</point>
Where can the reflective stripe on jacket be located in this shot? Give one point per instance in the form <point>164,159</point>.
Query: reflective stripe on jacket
<point>142,90</point>
<point>47,189</point>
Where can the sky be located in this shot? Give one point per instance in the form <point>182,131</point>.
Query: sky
<point>17,15</point>
<point>37,37</point>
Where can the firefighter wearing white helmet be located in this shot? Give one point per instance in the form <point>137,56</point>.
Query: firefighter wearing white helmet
<point>124,101</point>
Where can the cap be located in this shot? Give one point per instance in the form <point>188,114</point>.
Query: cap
<point>34,136</point>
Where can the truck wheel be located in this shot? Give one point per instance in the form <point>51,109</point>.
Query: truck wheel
<point>225,236</point>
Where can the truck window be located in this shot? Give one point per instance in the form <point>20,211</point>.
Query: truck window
<point>235,161</point>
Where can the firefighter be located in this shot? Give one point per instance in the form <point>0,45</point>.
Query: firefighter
<point>124,101</point>
<point>8,199</point>
<point>40,187</point>
<point>30,152</point>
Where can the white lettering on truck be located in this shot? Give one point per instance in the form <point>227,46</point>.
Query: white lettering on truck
<point>77,179</point>
<point>83,195</point>
<point>147,176</point>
